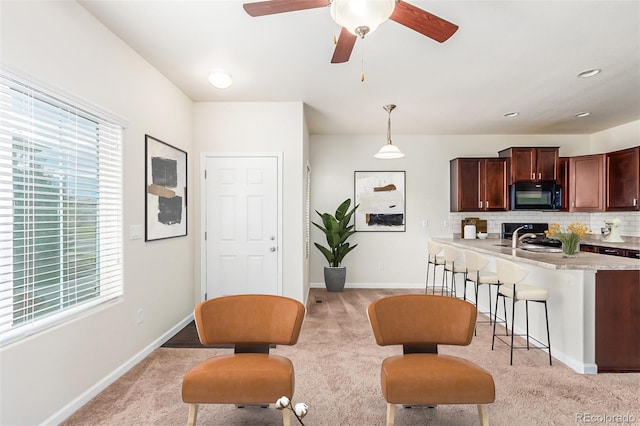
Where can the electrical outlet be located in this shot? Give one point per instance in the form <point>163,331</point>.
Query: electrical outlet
<point>140,316</point>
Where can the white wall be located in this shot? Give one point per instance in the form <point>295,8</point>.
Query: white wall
<point>259,127</point>
<point>619,137</point>
<point>48,376</point>
<point>385,259</point>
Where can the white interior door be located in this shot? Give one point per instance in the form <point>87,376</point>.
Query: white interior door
<point>242,249</point>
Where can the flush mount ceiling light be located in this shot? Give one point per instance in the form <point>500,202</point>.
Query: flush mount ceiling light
<point>512,114</point>
<point>589,73</point>
<point>220,79</point>
<point>361,17</point>
<point>389,151</point>
<point>582,114</point>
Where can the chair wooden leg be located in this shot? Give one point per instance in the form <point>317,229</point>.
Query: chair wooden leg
<point>483,412</point>
<point>193,414</point>
<point>285,417</point>
<point>391,414</point>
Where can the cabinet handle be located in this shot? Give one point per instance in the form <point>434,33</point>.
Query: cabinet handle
<point>533,176</point>
<point>480,204</point>
<point>635,202</point>
<point>573,204</point>
<point>539,176</point>
<point>486,204</point>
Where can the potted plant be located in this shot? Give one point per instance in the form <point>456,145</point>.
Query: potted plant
<point>337,230</point>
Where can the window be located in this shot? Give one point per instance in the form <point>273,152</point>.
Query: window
<point>60,208</point>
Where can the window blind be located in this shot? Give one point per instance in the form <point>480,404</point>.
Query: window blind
<point>60,208</point>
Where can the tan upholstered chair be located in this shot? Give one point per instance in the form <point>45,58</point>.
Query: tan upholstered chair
<point>421,376</point>
<point>249,376</point>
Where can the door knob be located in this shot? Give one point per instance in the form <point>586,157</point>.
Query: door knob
<point>272,249</point>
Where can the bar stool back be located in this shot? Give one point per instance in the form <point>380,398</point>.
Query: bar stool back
<point>433,258</point>
<point>476,264</point>
<point>510,276</point>
<point>454,263</point>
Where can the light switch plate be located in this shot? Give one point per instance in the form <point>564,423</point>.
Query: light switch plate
<point>135,232</point>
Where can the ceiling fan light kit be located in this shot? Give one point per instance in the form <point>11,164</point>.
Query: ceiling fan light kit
<point>361,17</point>
<point>220,79</point>
<point>389,151</point>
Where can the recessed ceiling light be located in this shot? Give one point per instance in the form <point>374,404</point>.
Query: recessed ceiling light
<point>589,73</point>
<point>220,79</point>
<point>582,114</point>
<point>512,114</point>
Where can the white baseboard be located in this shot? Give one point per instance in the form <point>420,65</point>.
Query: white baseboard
<point>374,285</point>
<point>93,391</point>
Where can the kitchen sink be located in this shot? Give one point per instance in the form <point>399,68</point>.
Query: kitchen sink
<point>541,249</point>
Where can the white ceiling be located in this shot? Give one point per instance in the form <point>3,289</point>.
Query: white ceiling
<point>506,56</point>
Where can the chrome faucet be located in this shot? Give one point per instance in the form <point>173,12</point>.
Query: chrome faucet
<point>515,239</point>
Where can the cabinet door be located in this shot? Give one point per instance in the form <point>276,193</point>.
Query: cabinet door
<point>563,181</point>
<point>495,184</point>
<point>523,164</point>
<point>469,185</point>
<point>587,177</point>
<point>623,179</point>
<point>546,163</point>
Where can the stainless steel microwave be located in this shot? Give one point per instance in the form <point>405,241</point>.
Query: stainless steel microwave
<point>535,196</point>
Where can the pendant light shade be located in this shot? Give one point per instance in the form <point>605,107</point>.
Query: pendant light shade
<point>389,151</point>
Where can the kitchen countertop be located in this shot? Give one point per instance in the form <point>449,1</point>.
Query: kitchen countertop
<point>583,261</point>
<point>630,243</point>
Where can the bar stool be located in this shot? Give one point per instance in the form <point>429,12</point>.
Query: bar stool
<point>433,258</point>
<point>510,276</point>
<point>475,265</point>
<point>454,263</point>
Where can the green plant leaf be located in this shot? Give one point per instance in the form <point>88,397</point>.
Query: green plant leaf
<point>337,230</point>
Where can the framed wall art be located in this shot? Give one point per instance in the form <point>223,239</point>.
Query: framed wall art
<point>165,190</point>
<point>380,196</point>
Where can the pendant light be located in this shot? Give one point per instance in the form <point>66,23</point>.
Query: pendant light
<point>389,151</point>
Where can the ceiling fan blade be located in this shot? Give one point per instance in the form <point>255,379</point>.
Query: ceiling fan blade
<point>345,44</point>
<point>272,7</point>
<point>423,22</point>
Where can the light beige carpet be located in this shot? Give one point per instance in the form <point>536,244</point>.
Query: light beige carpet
<point>337,366</point>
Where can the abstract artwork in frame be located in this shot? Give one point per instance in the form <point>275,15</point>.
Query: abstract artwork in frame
<point>165,190</point>
<point>380,196</point>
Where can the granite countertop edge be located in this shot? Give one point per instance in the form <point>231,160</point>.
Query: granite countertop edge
<point>583,261</point>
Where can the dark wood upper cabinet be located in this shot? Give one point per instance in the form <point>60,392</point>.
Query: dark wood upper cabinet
<point>478,184</point>
<point>563,181</point>
<point>623,179</point>
<point>587,183</point>
<point>532,164</point>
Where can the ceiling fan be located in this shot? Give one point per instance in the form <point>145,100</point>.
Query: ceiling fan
<point>360,17</point>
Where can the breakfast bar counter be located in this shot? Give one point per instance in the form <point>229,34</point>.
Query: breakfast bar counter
<point>594,303</point>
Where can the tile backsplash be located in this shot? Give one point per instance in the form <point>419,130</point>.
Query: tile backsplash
<point>630,225</point>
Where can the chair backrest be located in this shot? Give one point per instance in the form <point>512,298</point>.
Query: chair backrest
<point>249,319</point>
<point>433,248</point>
<point>474,261</point>
<point>451,255</point>
<point>416,319</point>
<point>509,272</point>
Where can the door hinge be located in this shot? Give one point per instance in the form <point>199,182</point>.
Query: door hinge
<point>205,174</point>
<point>205,235</point>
